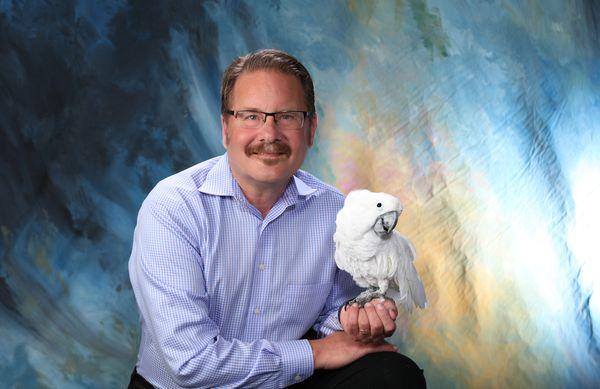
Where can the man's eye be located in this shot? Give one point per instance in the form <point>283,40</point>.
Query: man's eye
<point>250,117</point>
<point>290,117</point>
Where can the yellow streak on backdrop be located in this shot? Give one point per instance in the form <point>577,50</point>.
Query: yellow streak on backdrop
<point>474,327</point>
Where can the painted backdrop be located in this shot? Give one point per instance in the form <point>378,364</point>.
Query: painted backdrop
<point>482,116</point>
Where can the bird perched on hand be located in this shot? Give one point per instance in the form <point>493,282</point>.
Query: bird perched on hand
<point>377,257</point>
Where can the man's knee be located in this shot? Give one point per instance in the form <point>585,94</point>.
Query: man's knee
<point>389,369</point>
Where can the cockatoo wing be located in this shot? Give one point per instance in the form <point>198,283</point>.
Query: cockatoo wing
<point>341,260</point>
<point>410,288</point>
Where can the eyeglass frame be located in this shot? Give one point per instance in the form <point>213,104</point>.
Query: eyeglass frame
<point>305,114</point>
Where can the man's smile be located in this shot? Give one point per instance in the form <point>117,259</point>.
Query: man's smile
<point>269,158</point>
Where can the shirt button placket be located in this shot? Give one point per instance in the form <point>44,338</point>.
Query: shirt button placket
<point>259,276</point>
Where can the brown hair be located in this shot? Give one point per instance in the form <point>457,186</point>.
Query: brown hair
<point>266,59</point>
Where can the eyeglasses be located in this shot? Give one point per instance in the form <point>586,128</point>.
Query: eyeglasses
<point>286,120</point>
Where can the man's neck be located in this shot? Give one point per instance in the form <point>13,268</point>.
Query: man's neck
<point>262,197</point>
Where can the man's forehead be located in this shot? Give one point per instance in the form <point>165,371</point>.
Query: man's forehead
<point>257,86</point>
<point>264,74</point>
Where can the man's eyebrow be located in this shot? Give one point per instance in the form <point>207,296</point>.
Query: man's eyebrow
<point>260,110</point>
<point>249,109</point>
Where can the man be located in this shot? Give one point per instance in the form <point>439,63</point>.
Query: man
<point>232,260</point>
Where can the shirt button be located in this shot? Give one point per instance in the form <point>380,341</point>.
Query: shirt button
<point>256,311</point>
<point>297,377</point>
<point>261,266</point>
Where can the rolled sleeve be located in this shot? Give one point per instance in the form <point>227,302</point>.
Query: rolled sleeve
<point>297,361</point>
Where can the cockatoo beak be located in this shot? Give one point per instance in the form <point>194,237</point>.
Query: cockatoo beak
<point>385,224</point>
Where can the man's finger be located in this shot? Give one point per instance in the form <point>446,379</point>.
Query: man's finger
<point>389,304</point>
<point>389,326</point>
<point>352,320</point>
<point>364,329</point>
<point>391,307</point>
<point>375,322</point>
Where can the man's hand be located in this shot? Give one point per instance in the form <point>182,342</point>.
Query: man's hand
<point>339,349</point>
<point>372,323</point>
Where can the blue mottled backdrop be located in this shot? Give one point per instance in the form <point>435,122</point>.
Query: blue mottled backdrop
<point>482,116</point>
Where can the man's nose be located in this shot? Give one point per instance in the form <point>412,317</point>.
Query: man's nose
<point>270,130</point>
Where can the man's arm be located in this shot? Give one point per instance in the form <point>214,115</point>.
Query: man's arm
<point>344,288</point>
<point>339,349</point>
<point>167,275</point>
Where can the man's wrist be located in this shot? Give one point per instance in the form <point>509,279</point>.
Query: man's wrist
<point>316,349</point>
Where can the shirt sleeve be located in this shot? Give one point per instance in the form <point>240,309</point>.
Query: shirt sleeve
<point>167,275</point>
<point>344,288</point>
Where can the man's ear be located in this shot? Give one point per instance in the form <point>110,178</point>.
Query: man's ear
<point>312,130</point>
<point>224,138</point>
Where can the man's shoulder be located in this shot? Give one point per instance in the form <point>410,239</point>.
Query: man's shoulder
<point>182,186</point>
<point>322,188</point>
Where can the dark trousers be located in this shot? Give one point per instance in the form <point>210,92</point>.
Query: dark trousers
<point>138,382</point>
<point>377,370</point>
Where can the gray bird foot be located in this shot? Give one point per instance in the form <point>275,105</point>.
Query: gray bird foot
<point>367,296</point>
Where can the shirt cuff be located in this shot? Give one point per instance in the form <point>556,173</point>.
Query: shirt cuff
<point>330,325</point>
<point>297,360</point>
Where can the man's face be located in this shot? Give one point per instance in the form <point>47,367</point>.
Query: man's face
<point>266,156</point>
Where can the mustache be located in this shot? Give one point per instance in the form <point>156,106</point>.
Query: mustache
<point>268,147</point>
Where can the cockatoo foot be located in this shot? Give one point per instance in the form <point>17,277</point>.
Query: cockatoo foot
<point>365,297</point>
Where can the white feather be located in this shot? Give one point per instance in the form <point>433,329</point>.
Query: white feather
<point>374,261</point>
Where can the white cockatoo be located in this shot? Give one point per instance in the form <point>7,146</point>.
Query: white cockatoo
<point>376,256</point>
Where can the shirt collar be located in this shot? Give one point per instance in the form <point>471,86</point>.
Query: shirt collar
<point>303,188</point>
<point>220,182</point>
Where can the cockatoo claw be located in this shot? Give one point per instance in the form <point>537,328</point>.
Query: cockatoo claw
<point>365,297</point>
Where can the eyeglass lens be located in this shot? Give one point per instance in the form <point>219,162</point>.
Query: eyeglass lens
<point>285,120</point>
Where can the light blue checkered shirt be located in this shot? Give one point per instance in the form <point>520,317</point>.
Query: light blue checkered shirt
<point>223,294</point>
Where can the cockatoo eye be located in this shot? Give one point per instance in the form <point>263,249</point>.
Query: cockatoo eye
<point>378,205</point>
